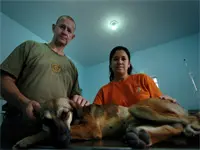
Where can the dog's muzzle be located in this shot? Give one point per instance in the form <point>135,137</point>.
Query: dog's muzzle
<point>60,134</point>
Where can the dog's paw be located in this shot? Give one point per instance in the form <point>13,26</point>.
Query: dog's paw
<point>21,145</point>
<point>143,135</point>
<point>191,130</point>
<point>137,139</point>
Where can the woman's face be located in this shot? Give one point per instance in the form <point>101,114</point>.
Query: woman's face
<point>120,63</point>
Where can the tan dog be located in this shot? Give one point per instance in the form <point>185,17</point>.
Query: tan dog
<point>144,124</point>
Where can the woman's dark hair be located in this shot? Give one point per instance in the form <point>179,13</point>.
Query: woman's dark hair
<point>111,56</point>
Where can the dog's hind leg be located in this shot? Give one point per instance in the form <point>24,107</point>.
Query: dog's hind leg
<point>145,136</point>
<point>161,133</point>
<point>158,115</point>
<point>30,140</point>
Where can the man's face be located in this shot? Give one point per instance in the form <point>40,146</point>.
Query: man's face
<point>63,31</point>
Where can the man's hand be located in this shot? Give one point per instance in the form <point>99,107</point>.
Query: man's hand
<point>31,107</point>
<point>80,100</point>
<point>164,97</point>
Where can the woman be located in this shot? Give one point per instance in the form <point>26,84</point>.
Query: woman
<point>126,89</point>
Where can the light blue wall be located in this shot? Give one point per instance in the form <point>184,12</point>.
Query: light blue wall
<point>166,62</point>
<point>12,34</point>
<point>94,78</point>
<point>198,83</point>
<point>199,58</point>
<point>163,61</point>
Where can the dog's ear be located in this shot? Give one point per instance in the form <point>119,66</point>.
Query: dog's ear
<point>77,109</point>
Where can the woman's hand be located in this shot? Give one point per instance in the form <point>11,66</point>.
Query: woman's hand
<point>80,100</point>
<point>164,97</point>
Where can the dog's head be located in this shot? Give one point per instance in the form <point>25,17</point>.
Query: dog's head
<point>59,109</point>
<point>56,117</point>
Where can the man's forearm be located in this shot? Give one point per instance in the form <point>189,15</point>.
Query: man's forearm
<point>11,93</point>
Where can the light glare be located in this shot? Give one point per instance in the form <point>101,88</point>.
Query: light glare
<point>114,25</point>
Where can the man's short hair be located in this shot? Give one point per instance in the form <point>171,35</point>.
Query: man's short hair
<point>68,17</point>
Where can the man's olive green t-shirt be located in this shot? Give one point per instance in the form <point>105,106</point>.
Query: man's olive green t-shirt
<point>41,73</point>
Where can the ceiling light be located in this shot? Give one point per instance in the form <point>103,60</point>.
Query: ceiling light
<point>114,25</point>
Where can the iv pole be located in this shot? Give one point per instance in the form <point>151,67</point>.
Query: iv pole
<point>192,79</point>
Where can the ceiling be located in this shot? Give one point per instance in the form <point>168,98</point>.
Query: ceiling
<point>142,24</point>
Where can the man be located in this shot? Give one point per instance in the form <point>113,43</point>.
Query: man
<point>34,73</point>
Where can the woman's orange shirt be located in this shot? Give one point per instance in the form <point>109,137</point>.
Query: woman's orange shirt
<point>135,88</point>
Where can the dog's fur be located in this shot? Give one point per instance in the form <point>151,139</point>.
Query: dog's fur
<point>143,124</point>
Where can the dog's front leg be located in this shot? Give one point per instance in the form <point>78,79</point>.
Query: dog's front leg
<point>85,131</point>
<point>30,140</point>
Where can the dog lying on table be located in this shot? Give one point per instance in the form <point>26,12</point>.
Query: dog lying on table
<point>142,125</point>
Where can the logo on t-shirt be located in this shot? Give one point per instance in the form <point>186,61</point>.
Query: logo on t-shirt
<point>138,89</point>
<point>55,67</point>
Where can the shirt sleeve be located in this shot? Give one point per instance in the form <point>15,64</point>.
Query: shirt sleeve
<point>14,63</point>
<point>152,87</point>
<point>76,88</point>
<point>99,97</point>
